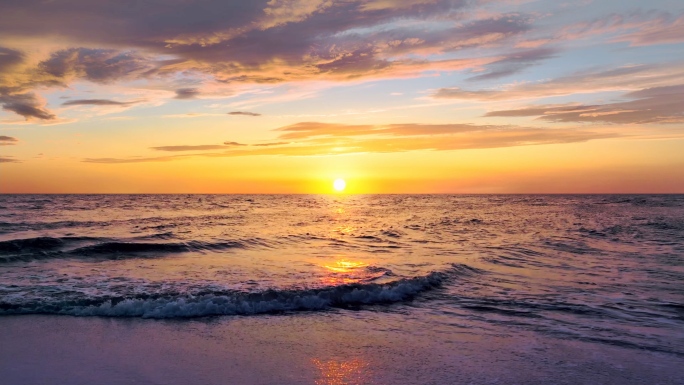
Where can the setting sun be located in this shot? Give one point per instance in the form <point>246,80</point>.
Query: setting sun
<point>339,185</point>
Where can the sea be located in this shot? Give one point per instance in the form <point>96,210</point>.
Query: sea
<point>442,283</point>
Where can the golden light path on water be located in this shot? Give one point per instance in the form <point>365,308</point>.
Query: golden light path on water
<point>333,372</point>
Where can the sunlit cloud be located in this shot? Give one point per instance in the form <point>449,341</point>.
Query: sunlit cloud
<point>190,148</point>
<point>316,139</point>
<point>298,41</point>
<point>625,78</point>
<point>652,105</point>
<point>638,28</point>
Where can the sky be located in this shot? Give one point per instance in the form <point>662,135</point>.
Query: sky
<point>393,96</point>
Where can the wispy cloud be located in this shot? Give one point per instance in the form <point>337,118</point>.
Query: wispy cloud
<point>97,102</point>
<point>8,140</point>
<point>515,62</point>
<point>202,147</point>
<point>652,105</point>
<point>270,144</point>
<point>244,113</point>
<point>625,78</point>
<point>638,28</point>
<point>315,139</point>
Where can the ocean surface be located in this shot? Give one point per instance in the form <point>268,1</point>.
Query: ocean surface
<point>607,270</point>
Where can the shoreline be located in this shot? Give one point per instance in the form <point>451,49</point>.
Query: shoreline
<point>335,347</point>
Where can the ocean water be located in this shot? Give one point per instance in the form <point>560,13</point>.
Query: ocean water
<point>607,270</point>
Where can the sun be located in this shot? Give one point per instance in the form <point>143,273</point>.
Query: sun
<point>339,185</point>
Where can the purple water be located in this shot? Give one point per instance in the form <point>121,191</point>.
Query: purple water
<point>603,270</point>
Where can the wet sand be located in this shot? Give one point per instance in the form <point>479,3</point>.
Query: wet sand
<point>340,347</point>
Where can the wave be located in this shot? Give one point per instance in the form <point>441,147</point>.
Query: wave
<point>30,249</point>
<point>215,303</point>
<point>40,243</point>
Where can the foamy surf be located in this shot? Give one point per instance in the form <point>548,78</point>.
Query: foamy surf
<point>174,305</point>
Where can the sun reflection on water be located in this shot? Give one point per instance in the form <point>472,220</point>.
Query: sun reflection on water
<point>334,372</point>
<point>344,266</point>
<point>345,272</point>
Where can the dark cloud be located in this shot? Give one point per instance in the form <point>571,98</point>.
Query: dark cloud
<point>96,65</point>
<point>96,102</point>
<point>26,104</point>
<point>244,113</point>
<point>9,58</point>
<point>4,159</point>
<point>62,67</point>
<point>233,144</point>
<point>515,62</point>
<point>653,105</point>
<point>186,93</point>
<point>109,41</point>
<point>8,140</point>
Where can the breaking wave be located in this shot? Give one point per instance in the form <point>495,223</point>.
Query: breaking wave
<point>174,305</point>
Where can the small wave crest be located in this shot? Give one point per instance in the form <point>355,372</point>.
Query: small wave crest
<point>39,248</point>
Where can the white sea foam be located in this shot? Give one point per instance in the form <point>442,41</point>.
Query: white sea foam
<point>235,303</point>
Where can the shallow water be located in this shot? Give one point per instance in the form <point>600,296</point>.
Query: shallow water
<point>606,270</point>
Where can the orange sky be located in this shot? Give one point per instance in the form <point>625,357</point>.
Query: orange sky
<point>428,96</point>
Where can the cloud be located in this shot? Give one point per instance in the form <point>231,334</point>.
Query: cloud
<point>134,159</point>
<point>315,139</point>
<point>638,28</point>
<point>186,93</point>
<point>270,144</point>
<point>653,105</point>
<point>515,62</point>
<point>8,140</point>
<point>661,32</point>
<point>298,41</point>
<point>213,44</point>
<point>96,102</point>
<point>314,129</point>
<point>28,105</point>
<point>96,65</point>
<point>625,78</point>
<point>18,78</point>
<point>4,159</point>
<point>203,147</point>
<point>244,113</point>
<point>9,58</point>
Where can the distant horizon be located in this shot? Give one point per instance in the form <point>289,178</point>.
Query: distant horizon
<point>348,194</point>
